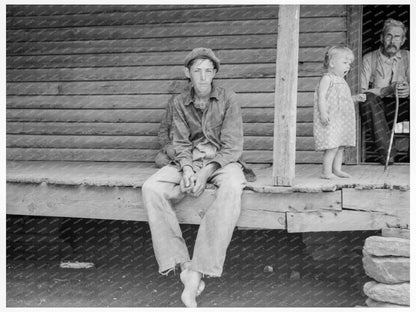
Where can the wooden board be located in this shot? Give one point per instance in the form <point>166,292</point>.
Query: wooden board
<point>40,16</point>
<point>130,142</point>
<point>147,72</point>
<point>284,133</point>
<point>181,44</point>
<point>85,128</point>
<point>135,173</point>
<point>306,84</point>
<point>338,221</point>
<point>45,10</point>
<point>162,58</point>
<point>132,155</point>
<point>119,203</point>
<point>391,202</point>
<point>250,115</point>
<point>140,101</point>
<point>259,26</point>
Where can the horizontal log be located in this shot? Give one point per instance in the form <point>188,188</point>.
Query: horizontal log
<point>338,221</point>
<point>145,86</point>
<point>250,115</point>
<point>212,28</point>
<point>54,128</point>
<point>122,203</point>
<point>135,73</point>
<point>130,87</point>
<point>160,58</point>
<point>82,142</point>
<point>129,16</point>
<point>45,10</point>
<point>169,44</point>
<point>150,72</point>
<point>147,101</point>
<point>146,17</point>
<point>129,142</point>
<point>136,155</point>
<point>391,202</point>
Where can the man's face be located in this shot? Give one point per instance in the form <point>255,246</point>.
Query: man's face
<point>392,39</point>
<point>201,73</point>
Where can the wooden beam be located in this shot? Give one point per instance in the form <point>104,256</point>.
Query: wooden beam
<point>125,203</point>
<point>354,42</point>
<point>344,220</point>
<point>284,148</point>
<point>259,210</point>
<point>391,202</point>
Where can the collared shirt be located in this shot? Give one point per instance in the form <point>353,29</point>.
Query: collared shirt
<point>210,134</point>
<point>387,71</point>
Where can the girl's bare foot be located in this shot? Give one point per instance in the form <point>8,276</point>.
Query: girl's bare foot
<point>192,281</point>
<point>328,176</point>
<point>342,174</point>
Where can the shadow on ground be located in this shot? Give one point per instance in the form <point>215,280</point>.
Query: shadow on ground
<point>263,268</point>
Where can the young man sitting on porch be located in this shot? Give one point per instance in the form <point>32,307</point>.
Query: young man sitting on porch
<point>383,71</point>
<point>208,143</point>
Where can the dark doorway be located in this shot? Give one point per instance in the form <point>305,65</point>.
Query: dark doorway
<point>373,19</point>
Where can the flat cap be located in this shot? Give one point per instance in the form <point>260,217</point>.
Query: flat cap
<point>202,52</point>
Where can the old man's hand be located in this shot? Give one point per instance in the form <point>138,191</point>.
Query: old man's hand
<point>403,89</point>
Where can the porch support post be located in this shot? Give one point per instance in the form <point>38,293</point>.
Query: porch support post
<point>285,99</point>
<point>354,42</point>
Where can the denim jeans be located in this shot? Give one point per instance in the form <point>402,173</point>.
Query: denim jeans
<point>161,191</point>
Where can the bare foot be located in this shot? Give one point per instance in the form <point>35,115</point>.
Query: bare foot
<point>342,174</point>
<point>201,288</point>
<point>191,280</point>
<point>329,176</point>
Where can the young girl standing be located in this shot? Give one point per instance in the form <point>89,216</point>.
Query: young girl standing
<point>334,112</point>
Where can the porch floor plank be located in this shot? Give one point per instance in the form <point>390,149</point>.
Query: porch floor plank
<point>134,174</point>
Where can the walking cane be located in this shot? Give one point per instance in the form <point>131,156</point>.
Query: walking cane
<point>396,113</point>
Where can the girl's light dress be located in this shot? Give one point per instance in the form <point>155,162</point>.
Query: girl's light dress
<point>341,129</point>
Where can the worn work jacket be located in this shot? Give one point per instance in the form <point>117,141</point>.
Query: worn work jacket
<point>219,124</point>
<point>378,71</point>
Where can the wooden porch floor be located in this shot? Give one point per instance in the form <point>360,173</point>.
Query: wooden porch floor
<point>134,174</point>
<point>371,200</point>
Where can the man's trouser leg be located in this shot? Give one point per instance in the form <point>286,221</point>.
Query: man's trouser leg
<point>159,192</point>
<point>374,118</point>
<point>217,225</point>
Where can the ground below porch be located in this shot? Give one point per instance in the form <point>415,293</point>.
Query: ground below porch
<point>373,199</point>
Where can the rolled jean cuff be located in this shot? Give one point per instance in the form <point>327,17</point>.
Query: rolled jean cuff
<point>205,272</point>
<point>166,269</point>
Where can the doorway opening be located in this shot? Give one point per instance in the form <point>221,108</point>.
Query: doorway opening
<point>373,19</point>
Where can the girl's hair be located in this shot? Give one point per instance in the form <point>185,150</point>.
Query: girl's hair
<point>336,50</point>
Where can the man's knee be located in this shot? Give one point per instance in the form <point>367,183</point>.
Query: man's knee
<point>233,180</point>
<point>150,186</point>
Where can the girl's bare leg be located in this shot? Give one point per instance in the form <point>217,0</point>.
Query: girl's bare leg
<point>327,162</point>
<point>336,169</point>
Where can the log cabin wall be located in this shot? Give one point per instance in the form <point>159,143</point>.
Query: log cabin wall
<point>90,83</point>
